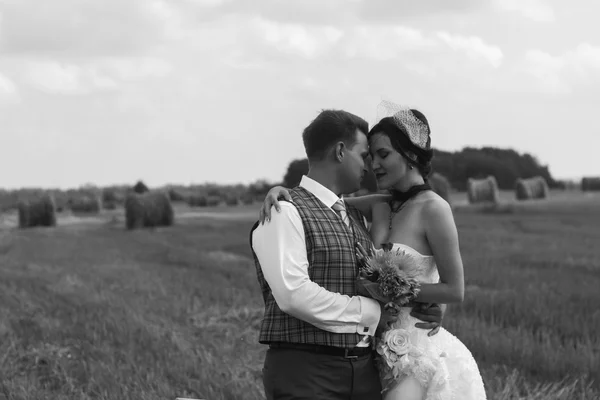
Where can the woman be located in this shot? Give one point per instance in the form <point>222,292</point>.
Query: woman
<point>419,222</point>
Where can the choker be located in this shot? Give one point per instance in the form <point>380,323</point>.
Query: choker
<point>403,197</point>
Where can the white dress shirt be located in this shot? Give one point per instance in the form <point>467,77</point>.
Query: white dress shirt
<point>280,247</point>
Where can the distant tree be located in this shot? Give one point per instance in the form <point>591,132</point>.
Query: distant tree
<point>506,165</point>
<point>258,190</point>
<point>294,173</point>
<point>140,187</point>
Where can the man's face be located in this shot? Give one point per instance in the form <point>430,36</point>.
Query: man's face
<point>354,162</point>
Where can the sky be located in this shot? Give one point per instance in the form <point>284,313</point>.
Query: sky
<point>191,91</point>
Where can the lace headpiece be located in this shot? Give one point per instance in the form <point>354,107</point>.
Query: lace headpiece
<point>418,132</point>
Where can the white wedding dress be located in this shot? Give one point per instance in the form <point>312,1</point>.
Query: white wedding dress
<point>441,367</point>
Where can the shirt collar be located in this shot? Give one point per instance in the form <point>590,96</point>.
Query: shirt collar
<point>321,192</point>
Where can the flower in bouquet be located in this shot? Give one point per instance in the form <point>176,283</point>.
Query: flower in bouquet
<point>389,276</point>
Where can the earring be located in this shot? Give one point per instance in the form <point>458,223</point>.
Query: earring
<point>410,166</point>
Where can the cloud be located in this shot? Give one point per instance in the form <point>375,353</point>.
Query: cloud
<point>84,27</point>
<point>536,10</point>
<point>307,41</point>
<point>8,90</point>
<point>99,75</point>
<point>307,12</point>
<point>410,48</point>
<point>208,3</point>
<point>402,10</point>
<point>385,42</point>
<point>562,73</point>
<point>473,47</point>
<point>55,77</point>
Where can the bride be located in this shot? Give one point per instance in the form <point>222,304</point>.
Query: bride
<point>417,221</point>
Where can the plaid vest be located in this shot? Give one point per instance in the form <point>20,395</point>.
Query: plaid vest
<point>330,246</point>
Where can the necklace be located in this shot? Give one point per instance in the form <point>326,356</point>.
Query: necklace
<point>403,198</point>
<point>393,213</point>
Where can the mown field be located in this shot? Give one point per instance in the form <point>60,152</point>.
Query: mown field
<point>89,310</point>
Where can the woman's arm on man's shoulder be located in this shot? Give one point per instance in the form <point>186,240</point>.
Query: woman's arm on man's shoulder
<point>365,203</point>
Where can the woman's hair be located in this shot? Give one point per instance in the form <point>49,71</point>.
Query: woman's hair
<point>401,142</point>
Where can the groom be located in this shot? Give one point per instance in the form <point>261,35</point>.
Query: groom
<point>318,329</point>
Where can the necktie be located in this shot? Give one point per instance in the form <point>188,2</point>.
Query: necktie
<point>340,209</point>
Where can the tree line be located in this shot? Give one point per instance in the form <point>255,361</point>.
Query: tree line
<point>506,165</point>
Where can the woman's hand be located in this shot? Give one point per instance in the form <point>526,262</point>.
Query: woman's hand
<point>272,200</point>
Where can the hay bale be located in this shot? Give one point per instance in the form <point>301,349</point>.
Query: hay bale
<point>531,188</point>
<point>39,211</point>
<point>150,209</point>
<point>590,184</point>
<point>85,204</point>
<point>440,185</point>
<point>483,190</point>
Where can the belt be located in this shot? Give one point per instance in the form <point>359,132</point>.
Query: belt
<point>320,349</point>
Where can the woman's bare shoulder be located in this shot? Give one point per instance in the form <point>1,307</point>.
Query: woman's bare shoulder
<point>434,208</point>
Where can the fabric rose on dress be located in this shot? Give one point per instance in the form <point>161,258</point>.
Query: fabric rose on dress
<point>394,344</point>
<point>398,340</point>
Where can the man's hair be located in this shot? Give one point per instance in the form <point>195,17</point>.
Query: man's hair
<point>328,128</point>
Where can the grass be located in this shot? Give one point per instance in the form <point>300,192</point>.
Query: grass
<point>91,311</point>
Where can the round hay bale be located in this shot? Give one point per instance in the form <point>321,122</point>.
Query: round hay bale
<point>483,190</point>
<point>148,210</point>
<point>39,211</point>
<point>85,204</point>
<point>590,184</point>
<point>440,185</point>
<point>531,188</point>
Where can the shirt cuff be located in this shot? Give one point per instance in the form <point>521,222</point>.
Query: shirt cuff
<point>370,313</point>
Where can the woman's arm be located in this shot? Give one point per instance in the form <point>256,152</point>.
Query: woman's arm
<point>365,203</point>
<point>442,236</point>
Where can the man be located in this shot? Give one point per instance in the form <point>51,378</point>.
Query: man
<point>315,324</point>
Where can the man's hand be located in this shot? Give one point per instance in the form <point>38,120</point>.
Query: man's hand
<point>431,315</point>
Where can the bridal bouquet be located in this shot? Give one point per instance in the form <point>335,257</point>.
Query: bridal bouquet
<point>388,276</point>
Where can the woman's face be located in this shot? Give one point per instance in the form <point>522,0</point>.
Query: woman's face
<point>389,166</point>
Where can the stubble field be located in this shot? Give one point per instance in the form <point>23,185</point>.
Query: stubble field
<point>89,310</point>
